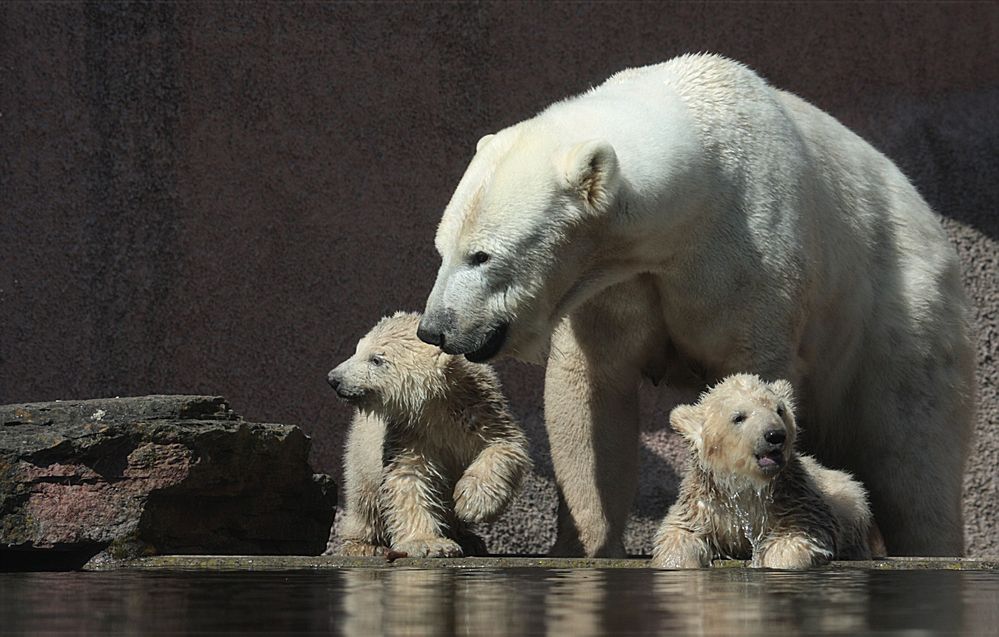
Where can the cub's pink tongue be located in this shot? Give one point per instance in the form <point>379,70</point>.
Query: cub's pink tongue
<point>772,459</point>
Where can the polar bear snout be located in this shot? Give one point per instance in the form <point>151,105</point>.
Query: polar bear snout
<point>333,378</point>
<point>344,390</point>
<point>434,326</point>
<point>773,439</point>
<point>478,345</point>
<point>770,451</point>
<point>429,333</point>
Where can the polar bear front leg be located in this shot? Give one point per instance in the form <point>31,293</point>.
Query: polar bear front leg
<point>494,475</point>
<point>490,482</point>
<point>591,415</point>
<point>794,550</point>
<point>414,507</point>
<point>362,531</point>
<point>676,547</point>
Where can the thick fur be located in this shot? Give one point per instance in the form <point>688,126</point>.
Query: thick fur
<point>432,447</point>
<point>745,497</point>
<point>687,221</point>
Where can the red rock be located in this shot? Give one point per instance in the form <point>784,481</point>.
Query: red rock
<point>119,478</point>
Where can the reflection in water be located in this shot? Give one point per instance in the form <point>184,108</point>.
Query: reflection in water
<point>578,603</point>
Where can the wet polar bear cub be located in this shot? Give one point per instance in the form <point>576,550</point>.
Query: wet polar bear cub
<point>748,494</point>
<point>432,446</point>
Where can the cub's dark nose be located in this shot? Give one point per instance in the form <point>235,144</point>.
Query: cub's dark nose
<point>333,379</point>
<point>775,436</point>
<point>430,335</point>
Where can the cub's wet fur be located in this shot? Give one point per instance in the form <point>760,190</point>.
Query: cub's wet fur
<point>432,447</point>
<point>749,495</point>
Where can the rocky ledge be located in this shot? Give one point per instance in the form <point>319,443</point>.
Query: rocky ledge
<point>94,481</point>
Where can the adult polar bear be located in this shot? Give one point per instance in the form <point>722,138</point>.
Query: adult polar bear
<point>689,215</point>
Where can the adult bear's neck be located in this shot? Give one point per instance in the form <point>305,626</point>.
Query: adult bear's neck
<point>652,236</point>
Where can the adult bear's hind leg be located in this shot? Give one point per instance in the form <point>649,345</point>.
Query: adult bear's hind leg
<point>914,471</point>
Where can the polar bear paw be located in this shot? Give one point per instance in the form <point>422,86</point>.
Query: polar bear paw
<point>429,547</point>
<point>475,500</point>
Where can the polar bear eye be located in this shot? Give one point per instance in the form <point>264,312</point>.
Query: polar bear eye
<point>739,417</point>
<point>780,410</point>
<point>376,360</point>
<point>479,258</point>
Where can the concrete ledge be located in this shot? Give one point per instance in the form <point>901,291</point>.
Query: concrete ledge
<point>281,562</point>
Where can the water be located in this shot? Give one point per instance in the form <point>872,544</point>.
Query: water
<point>576,603</point>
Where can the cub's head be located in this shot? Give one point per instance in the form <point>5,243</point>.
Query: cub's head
<point>391,371</point>
<point>518,242</point>
<point>742,429</point>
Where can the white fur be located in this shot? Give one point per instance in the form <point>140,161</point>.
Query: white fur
<point>688,216</point>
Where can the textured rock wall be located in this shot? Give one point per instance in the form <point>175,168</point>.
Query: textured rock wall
<point>222,197</point>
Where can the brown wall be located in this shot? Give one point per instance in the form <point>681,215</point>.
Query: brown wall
<point>221,198</point>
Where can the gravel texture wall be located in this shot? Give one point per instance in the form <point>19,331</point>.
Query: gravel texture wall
<point>220,198</point>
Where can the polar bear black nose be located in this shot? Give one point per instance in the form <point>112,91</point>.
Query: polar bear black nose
<point>775,436</point>
<point>429,335</point>
<point>333,380</point>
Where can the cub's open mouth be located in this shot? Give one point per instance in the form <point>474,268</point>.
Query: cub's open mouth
<point>771,461</point>
<point>492,345</point>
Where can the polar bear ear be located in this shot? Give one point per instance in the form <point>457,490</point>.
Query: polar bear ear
<point>784,391</point>
<point>688,421</point>
<point>591,170</point>
<point>483,141</point>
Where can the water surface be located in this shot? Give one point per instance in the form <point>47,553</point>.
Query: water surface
<point>529,601</point>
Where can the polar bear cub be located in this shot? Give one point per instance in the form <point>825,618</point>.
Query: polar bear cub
<point>748,494</point>
<point>431,449</point>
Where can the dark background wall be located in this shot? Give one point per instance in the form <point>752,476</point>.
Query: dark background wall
<point>221,198</point>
